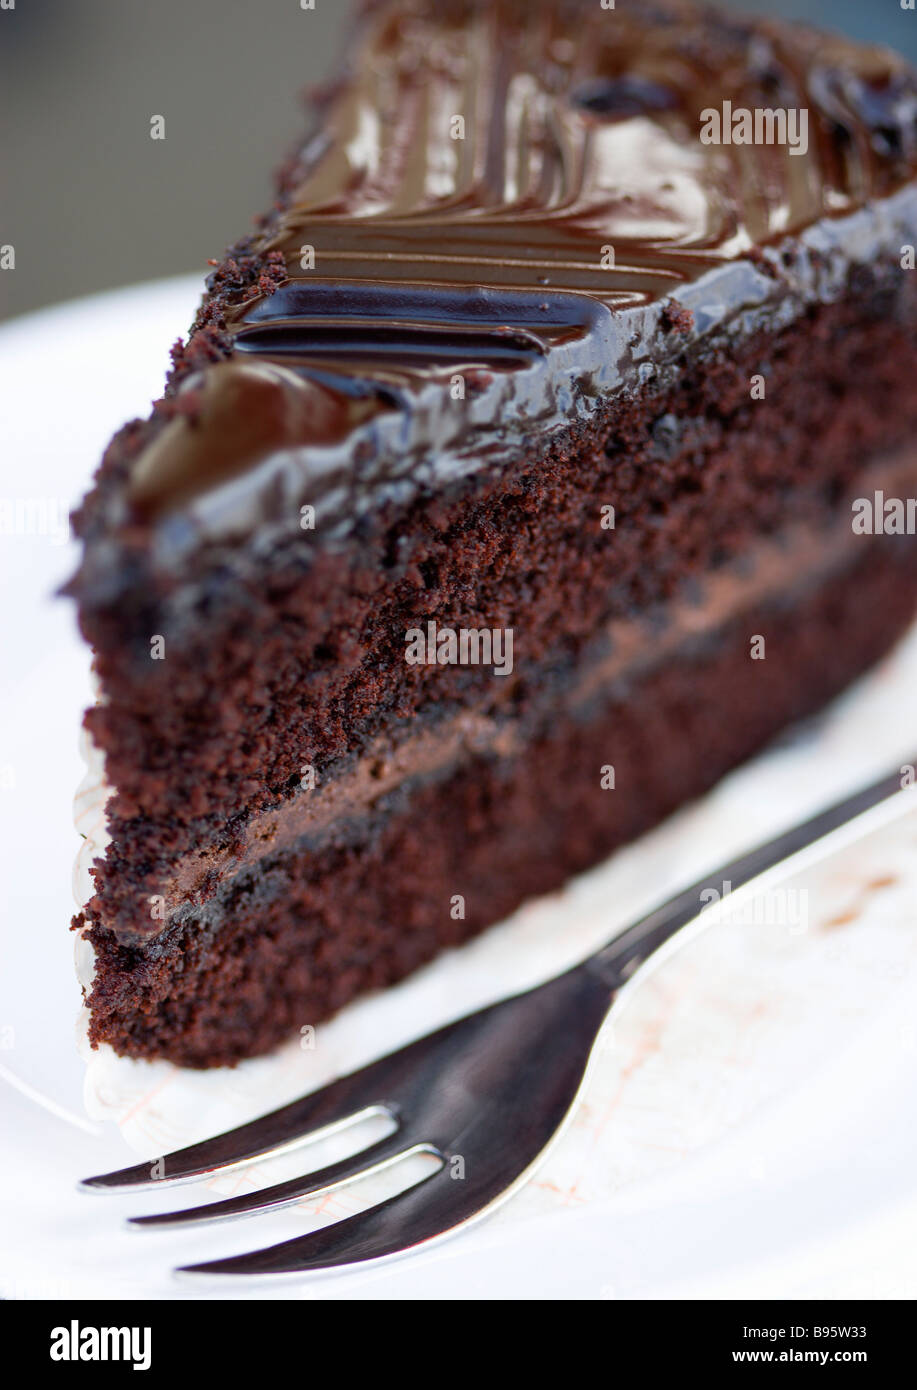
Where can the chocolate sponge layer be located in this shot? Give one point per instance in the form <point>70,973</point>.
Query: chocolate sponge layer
<point>294,941</point>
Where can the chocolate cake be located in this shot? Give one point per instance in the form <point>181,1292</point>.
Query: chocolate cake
<point>500,499</point>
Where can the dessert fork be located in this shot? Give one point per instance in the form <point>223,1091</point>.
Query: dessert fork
<point>486,1095</point>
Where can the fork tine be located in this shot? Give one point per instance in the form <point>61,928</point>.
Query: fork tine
<point>396,1225</point>
<point>372,1160</point>
<point>340,1103</point>
<point>373,1090</point>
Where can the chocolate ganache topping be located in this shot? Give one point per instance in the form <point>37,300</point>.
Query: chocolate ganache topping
<point>507,214</point>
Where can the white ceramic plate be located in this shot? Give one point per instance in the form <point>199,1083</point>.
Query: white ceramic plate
<point>749,1129</point>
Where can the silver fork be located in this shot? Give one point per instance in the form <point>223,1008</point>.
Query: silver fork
<point>493,1089</point>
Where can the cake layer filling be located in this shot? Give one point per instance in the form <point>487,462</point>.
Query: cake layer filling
<point>296,936</point>
<point>339,805</point>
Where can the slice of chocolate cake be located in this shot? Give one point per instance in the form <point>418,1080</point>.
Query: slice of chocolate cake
<point>501,498</point>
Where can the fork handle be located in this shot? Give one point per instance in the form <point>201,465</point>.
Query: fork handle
<point>623,955</point>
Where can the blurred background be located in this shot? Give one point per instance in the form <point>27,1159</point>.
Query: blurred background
<point>90,202</point>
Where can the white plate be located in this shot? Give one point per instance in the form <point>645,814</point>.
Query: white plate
<point>749,1129</point>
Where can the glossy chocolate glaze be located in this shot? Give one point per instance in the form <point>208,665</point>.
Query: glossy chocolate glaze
<point>462,298</point>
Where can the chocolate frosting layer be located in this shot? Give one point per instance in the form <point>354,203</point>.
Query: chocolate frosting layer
<point>507,215</point>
